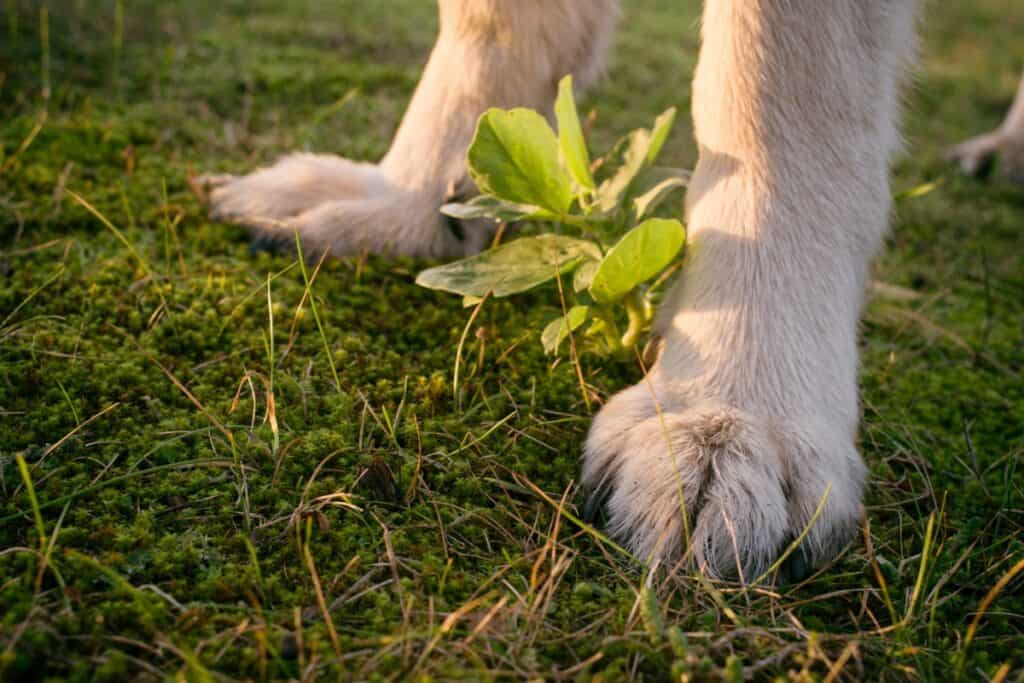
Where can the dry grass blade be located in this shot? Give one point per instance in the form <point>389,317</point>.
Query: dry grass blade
<point>143,265</point>
<point>590,530</point>
<point>983,607</point>
<point>449,624</point>
<point>461,346</point>
<point>26,143</point>
<point>78,428</point>
<point>573,353</point>
<point>191,397</point>
<point>50,280</point>
<point>322,602</point>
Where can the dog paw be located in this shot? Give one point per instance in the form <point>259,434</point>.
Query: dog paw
<point>978,156</point>
<point>720,488</point>
<point>338,206</point>
<point>294,184</point>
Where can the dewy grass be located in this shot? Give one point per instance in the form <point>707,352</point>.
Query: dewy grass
<point>183,536</point>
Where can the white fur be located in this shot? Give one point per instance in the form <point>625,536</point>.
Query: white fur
<point>795,110</point>
<point>749,417</point>
<point>490,53</point>
<point>975,155</point>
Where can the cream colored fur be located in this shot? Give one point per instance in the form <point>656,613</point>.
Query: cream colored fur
<point>754,398</point>
<point>749,417</point>
<point>490,53</point>
<point>975,155</point>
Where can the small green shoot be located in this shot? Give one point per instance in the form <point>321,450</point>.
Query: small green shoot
<point>312,306</point>
<point>600,217</point>
<point>31,492</point>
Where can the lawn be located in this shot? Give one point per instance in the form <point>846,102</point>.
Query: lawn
<point>222,488</point>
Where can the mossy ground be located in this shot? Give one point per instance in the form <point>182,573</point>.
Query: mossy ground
<point>183,529</point>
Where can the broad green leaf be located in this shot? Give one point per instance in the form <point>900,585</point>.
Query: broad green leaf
<point>514,156</point>
<point>646,203</point>
<point>659,134</point>
<point>584,275</point>
<point>628,158</point>
<point>496,209</point>
<point>570,135</point>
<point>558,329</point>
<point>640,255</point>
<point>510,268</point>
<point>625,161</point>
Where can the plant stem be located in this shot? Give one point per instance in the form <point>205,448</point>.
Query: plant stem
<point>575,221</point>
<point>610,331</point>
<point>638,318</point>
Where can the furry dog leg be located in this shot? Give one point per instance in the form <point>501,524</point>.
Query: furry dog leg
<point>749,417</point>
<point>490,53</point>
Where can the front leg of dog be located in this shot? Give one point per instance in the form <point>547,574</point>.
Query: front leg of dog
<point>747,422</point>
<point>489,53</point>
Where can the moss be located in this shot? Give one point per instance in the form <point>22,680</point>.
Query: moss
<point>176,539</point>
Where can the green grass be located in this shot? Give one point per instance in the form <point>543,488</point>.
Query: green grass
<point>181,527</point>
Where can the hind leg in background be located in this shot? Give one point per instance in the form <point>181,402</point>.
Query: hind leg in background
<point>975,156</point>
<point>489,53</point>
<point>748,419</point>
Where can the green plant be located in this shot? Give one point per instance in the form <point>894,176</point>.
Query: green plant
<point>603,229</point>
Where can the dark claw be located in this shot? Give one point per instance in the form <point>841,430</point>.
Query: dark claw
<point>594,504</point>
<point>262,244</point>
<point>796,568</point>
<point>984,168</point>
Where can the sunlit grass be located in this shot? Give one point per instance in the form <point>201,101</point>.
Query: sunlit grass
<point>218,465</point>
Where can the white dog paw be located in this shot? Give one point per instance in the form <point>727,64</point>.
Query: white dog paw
<point>296,183</point>
<point>732,488</point>
<point>338,206</point>
<point>976,156</point>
